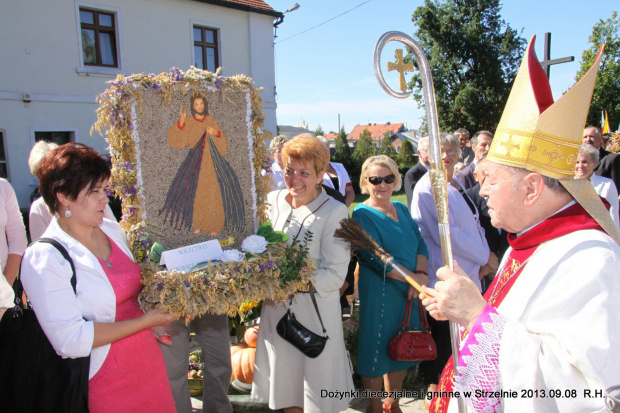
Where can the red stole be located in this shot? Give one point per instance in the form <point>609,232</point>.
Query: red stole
<point>571,219</point>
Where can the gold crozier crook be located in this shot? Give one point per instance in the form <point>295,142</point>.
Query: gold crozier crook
<point>439,181</point>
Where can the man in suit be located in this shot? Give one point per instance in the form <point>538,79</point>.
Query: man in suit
<point>467,153</point>
<point>481,142</point>
<point>609,163</point>
<point>414,174</point>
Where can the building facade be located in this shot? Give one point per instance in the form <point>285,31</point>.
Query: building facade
<point>56,57</point>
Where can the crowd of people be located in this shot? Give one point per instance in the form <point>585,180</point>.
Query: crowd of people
<point>534,284</point>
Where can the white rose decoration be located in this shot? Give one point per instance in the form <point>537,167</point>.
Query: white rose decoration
<point>232,256</point>
<point>256,244</point>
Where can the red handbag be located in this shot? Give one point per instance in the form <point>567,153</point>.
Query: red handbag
<point>413,345</point>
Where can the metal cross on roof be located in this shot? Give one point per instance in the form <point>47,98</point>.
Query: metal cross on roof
<point>547,62</point>
<point>401,67</point>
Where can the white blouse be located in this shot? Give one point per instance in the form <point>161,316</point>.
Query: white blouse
<point>66,318</point>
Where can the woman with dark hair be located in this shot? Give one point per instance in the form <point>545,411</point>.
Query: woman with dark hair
<point>204,176</point>
<point>102,317</point>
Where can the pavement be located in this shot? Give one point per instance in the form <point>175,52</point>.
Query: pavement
<point>407,405</point>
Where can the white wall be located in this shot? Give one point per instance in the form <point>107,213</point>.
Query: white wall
<point>40,55</point>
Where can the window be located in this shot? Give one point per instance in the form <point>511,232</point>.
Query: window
<point>205,49</point>
<point>59,137</point>
<point>98,30</point>
<point>4,169</point>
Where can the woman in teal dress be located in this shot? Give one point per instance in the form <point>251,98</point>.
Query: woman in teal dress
<point>383,293</point>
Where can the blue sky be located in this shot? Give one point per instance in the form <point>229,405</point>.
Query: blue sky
<point>328,70</point>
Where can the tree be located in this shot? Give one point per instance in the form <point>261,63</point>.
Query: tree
<point>319,131</point>
<point>606,94</point>
<point>474,57</point>
<point>365,148</point>
<point>343,150</point>
<point>386,146</point>
<point>406,156</point>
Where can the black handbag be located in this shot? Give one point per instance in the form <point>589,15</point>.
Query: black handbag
<point>33,377</point>
<point>306,341</point>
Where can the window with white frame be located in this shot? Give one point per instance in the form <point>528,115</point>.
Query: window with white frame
<point>4,167</point>
<point>206,53</point>
<point>98,30</point>
<point>58,137</point>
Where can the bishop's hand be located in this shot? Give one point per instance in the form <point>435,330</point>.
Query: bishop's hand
<point>455,298</point>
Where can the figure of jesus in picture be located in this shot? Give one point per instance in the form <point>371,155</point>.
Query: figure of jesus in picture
<point>205,194</point>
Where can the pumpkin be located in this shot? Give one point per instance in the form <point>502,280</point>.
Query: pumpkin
<point>243,365</point>
<point>250,336</point>
<point>237,347</point>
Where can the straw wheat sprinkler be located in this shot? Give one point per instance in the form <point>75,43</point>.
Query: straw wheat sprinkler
<point>351,232</point>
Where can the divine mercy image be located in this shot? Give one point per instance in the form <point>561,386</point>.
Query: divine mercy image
<point>204,177</point>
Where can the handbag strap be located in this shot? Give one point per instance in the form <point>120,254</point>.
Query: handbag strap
<point>18,288</point>
<point>316,307</point>
<point>405,323</point>
<point>423,320</point>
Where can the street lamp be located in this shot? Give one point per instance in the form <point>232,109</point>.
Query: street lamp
<point>291,8</point>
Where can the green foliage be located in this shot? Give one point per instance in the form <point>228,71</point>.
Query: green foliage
<point>252,314</point>
<point>386,146</point>
<point>406,156</point>
<point>474,57</point>
<point>344,155</point>
<point>365,148</point>
<point>156,250</point>
<point>606,94</point>
<point>343,150</point>
<point>294,260</point>
<point>271,236</point>
<point>319,131</point>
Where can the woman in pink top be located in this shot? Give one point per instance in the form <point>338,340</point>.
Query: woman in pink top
<point>102,318</point>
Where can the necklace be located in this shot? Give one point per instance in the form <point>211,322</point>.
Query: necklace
<point>107,263</point>
<point>386,209</point>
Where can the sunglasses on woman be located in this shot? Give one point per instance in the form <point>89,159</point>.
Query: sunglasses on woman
<point>376,180</point>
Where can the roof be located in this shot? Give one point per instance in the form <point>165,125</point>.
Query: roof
<point>291,131</point>
<point>256,6</point>
<point>331,136</point>
<point>376,130</point>
<point>413,137</point>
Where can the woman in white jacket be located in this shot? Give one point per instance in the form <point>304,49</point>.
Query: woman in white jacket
<point>102,317</point>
